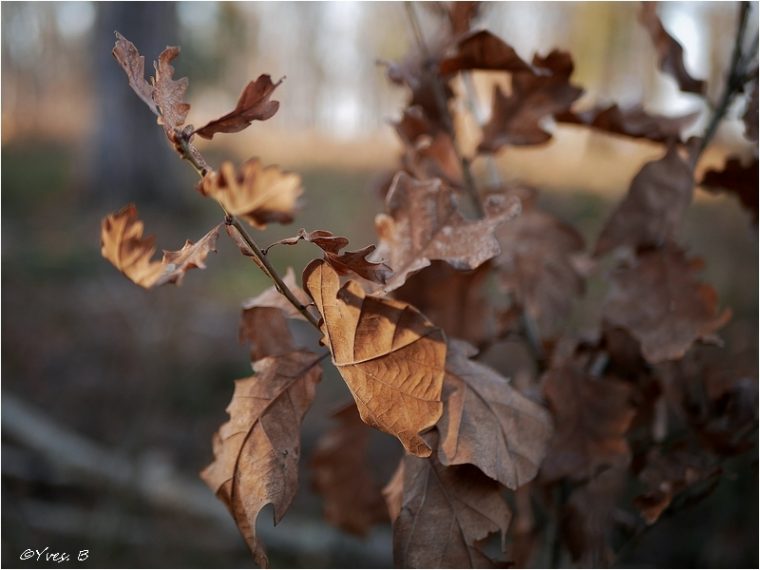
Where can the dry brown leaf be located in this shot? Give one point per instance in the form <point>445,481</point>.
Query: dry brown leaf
<point>455,300</point>
<point>393,492</point>
<point>659,300</point>
<point>669,51</point>
<point>423,224</point>
<point>545,92</point>
<point>265,330</point>
<point>346,262</point>
<point>737,179</point>
<point>650,212</point>
<point>483,50</point>
<point>389,354</point>
<point>256,452</point>
<point>122,243</point>
<point>254,192</point>
<point>488,423</point>
<point>352,498</point>
<point>669,473</point>
<point>133,64</point>
<point>588,520</point>
<point>253,105</point>
<point>271,297</point>
<point>591,418</point>
<point>631,122</point>
<point>536,265</point>
<point>444,512</point>
<point>168,93</point>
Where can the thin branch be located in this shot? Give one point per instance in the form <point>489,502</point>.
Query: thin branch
<point>734,80</point>
<point>258,255</point>
<point>443,108</point>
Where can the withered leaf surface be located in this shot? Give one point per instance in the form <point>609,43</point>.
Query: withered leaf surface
<point>444,512</point>
<point>543,92</point>
<point>389,354</point>
<point>668,474</point>
<point>271,297</point>
<point>352,498</point>
<point>750,116</point>
<point>256,452</point>
<point>736,179</point>
<point>256,193</point>
<point>346,262</point>
<point>650,212</point>
<point>659,300</point>
<point>133,64</point>
<point>488,423</point>
<point>423,224</point>
<point>455,300</point>
<point>669,51</point>
<point>122,243</point>
<point>253,105</point>
<point>591,418</point>
<point>168,93</point>
<point>265,330</point>
<point>631,122</point>
<point>536,265</point>
<point>483,50</point>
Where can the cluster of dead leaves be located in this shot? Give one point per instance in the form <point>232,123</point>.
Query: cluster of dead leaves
<point>401,322</point>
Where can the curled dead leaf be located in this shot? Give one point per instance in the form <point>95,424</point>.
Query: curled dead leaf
<point>391,357</point>
<point>168,93</point>
<point>133,64</point>
<point>483,50</point>
<point>256,193</point>
<point>122,243</point>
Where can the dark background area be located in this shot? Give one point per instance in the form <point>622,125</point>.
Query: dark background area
<point>111,393</point>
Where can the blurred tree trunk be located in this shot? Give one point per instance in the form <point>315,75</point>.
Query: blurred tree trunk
<point>129,158</point>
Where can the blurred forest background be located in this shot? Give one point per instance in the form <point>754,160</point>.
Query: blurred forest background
<point>111,393</point>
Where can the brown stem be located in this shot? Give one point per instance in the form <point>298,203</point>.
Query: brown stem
<point>734,80</point>
<point>443,108</point>
<point>258,255</point>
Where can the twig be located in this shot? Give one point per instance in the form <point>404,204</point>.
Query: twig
<point>734,80</point>
<point>259,256</point>
<point>443,108</point>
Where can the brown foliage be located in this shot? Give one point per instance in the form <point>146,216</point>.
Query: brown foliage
<point>133,64</point>
<point>483,50</point>
<point>122,243</point>
<point>669,51</point>
<point>389,354</point>
<point>352,499</point>
<point>169,93</point>
<point>258,194</point>
<point>735,178</point>
<point>660,302</point>
<point>253,105</point>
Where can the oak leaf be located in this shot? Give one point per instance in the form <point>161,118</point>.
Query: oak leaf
<point>256,452</point>
<point>265,330</point>
<point>488,423</point>
<point>652,209</point>
<point>391,357</point>
<point>669,51</point>
<point>133,64</point>
<point>668,474</point>
<point>483,50</point>
<point>455,300</point>
<point>423,224</point>
<point>253,105</point>
<point>591,417</point>
<point>631,122</point>
<point>443,512</point>
<point>658,299</point>
<point>254,192</point>
<point>346,262</point>
<point>352,498</point>
<point>122,243</point>
<point>737,179</point>
<point>537,264</point>
<point>168,93</point>
<point>516,119</point>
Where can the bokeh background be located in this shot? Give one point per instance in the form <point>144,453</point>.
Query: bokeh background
<point>111,393</point>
